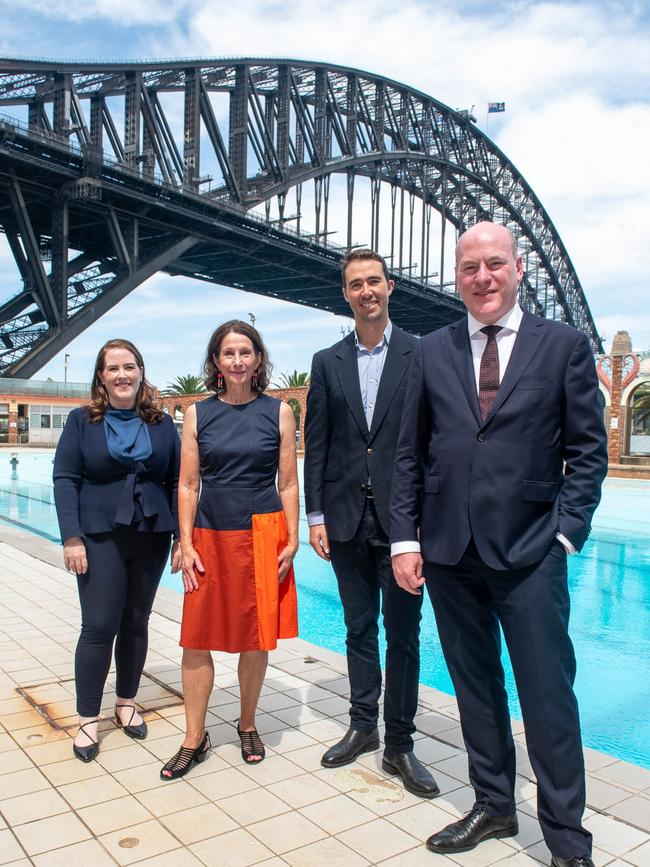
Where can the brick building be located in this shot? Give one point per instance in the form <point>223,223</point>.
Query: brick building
<point>625,390</point>
<point>33,412</point>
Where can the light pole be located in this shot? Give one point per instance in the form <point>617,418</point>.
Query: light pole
<point>252,318</point>
<point>65,366</point>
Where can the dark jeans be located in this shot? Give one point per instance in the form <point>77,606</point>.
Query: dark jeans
<point>363,571</point>
<point>116,595</point>
<point>470,600</point>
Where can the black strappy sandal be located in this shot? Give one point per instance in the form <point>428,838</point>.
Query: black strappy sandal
<point>180,764</point>
<point>251,745</point>
<point>87,754</point>
<point>139,732</point>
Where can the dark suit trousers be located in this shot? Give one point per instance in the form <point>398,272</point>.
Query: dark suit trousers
<point>364,572</point>
<point>116,595</point>
<point>532,606</point>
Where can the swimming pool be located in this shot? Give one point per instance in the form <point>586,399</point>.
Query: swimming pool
<point>610,591</point>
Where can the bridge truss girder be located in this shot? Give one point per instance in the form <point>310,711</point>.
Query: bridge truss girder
<point>252,132</point>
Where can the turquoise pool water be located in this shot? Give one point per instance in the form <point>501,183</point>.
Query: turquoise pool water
<point>610,591</point>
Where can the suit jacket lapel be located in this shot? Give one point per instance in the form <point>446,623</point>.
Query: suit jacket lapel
<point>529,337</point>
<point>460,353</point>
<point>347,370</point>
<point>395,366</point>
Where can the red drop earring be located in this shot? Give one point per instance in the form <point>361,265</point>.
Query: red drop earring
<point>220,385</point>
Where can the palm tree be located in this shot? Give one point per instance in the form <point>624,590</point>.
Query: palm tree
<point>188,384</point>
<point>292,380</point>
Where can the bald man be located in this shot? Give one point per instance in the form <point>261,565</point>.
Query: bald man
<point>499,465</point>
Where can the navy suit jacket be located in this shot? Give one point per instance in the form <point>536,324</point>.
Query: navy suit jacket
<point>94,493</point>
<point>341,453</point>
<point>533,468</point>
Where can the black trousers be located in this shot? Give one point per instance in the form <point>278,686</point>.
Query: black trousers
<point>364,573</point>
<point>116,595</point>
<point>470,600</point>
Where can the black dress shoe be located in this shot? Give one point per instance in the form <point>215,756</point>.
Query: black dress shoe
<point>578,861</point>
<point>351,745</point>
<point>472,829</point>
<point>417,780</point>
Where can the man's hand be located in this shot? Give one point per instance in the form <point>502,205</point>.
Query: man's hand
<point>407,569</point>
<point>319,541</point>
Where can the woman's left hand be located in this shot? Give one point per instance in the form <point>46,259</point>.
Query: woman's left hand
<point>285,560</point>
<point>177,557</point>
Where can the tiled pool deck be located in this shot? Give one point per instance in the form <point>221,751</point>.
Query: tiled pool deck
<point>55,810</point>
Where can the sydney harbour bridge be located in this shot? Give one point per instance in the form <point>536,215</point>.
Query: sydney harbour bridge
<point>250,173</point>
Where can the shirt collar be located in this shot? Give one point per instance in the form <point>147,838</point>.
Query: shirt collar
<point>385,340</point>
<point>510,321</point>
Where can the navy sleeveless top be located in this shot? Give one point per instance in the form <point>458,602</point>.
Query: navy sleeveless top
<point>239,446</point>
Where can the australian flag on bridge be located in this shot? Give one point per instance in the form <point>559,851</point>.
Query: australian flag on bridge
<point>496,107</point>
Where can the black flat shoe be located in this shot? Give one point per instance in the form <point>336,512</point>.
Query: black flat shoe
<point>86,754</point>
<point>416,778</point>
<point>351,745</point>
<point>472,829</point>
<point>139,732</point>
<point>577,861</point>
<point>180,763</point>
<point>251,745</point>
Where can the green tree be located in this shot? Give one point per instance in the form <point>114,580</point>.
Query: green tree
<point>292,380</point>
<point>188,384</point>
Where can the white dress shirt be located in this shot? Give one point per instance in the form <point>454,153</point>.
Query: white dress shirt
<point>505,339</point>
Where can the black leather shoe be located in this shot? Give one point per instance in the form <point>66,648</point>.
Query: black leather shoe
<point>472,829</point>
<point>416,778</point>
<point>578,861</point>
<point>351,745</point>
<point>91,750</point>
<point>139,731</point>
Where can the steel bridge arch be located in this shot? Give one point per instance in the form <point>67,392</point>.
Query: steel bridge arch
<point>288,122</point>
<point>385,161</point>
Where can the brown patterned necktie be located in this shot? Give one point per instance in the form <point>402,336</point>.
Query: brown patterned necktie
<point>488,380</point>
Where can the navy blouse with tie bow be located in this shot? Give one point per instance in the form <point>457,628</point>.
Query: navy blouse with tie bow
<point>96,493</point>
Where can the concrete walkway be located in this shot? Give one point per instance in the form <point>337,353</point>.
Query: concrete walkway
<point>55,810</point>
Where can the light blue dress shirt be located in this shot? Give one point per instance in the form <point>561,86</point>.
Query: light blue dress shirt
<point>370,363</point>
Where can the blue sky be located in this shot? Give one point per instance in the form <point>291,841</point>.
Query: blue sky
<point>575,77</point>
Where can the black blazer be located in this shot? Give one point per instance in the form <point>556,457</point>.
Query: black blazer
<point>533,468</point>
<point>94,493</point>
<point>340,452</point>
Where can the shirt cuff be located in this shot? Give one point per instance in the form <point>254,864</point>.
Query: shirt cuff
<point>568,546</point>
<point>404,548</point>
<point>314,518</point>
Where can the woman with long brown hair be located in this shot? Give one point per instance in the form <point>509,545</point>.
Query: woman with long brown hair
<point>115,483</point>
<point>239,535</point>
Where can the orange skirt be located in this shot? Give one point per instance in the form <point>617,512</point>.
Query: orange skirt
<point>240,604</point>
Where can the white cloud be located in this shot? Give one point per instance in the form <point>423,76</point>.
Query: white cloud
<point>124,12</point>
